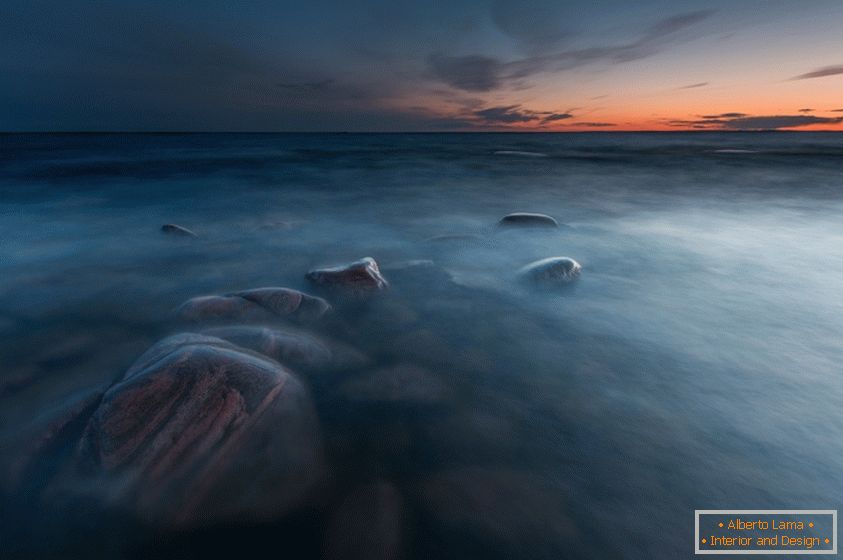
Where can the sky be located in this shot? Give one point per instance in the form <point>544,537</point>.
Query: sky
<point>396,65</point>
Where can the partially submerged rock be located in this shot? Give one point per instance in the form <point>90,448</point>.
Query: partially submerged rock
<point>254,305</point>
<point>199,431</point>
<point>368,525</point>
<point>528,219</point>
<point>359,277</point>
<point>553,270</point>
<point>174,229</point>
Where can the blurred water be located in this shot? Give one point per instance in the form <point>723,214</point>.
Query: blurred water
<point>696,364</point>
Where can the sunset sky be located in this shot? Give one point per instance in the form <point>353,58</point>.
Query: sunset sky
<point>394,65</point>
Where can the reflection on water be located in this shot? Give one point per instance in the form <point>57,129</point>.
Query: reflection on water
<point>694,365</point>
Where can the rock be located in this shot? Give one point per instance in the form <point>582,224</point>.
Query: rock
<point>286,302</point>
<point>368,525</point>
<point>221,308</point>
<point>528,219</point>
<point>293,348</point>
<point>499,506</point>
<point>259,304</point>
<point>553,270</point>
<point>358,277</point>
<point>200,431</point>
<point>173,229</point>
<point>406,384</point>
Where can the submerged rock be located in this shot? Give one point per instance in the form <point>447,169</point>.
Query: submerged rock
<point>174,229</point>
<point>293,348</point>
<point>254,305</point>
<point>553,270</point>
<point>368,525</point>
<point>199,431</point>
<point>528,219</point>
<point>360,276</point>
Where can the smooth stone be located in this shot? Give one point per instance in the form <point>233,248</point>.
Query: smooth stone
<point>367,525</point>
<point>202,431</point>
<point>254,305</point>
<point>407,384</point>
<point>297,349</point>
<point>528,219</point>
<point>287,302</point>
<point>174,229</point>
<point>553,270</point>
<point>359,276</point>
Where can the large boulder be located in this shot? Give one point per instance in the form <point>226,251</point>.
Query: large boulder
<point>528,219</point>
<point>553,271</point>
<point>259,304</point>
<point>200,431</point>
<point>359,277</point>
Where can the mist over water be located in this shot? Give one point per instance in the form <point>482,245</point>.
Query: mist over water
<point>695,365</point>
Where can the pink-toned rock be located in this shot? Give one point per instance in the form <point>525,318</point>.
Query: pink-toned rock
<point>199,431</point>
<point>360,276</point>
<point>368,525</point>
<point>260,304</point>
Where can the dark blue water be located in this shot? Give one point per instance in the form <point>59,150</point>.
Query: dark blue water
<point>696,365</point>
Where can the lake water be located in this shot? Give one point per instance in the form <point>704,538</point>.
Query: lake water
<point>695,365</point>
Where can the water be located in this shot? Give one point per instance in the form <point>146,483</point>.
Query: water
<point>695,365</point>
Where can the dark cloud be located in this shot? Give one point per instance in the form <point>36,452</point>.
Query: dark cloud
<point>821,72</point>
<point>593,124</point>
<point>755,122</point>
<point>552,117</point>
<point>693,86</point>
<point>724,116</point>
<point>484,73</point>
<point>806,110</point>
<point>512,114</point>
<point>508,114</point>
<point>837,110</point>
